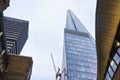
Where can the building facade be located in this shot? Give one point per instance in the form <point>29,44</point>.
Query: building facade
<point>19,68</point>
<point>108,39</point>
<point>3,53</point>
<point>79,55</point>
<point>16,33</point>
<point>13,67</point>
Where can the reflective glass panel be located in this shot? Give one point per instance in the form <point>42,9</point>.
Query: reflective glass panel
<point>108,77</point>
<point>113,65</point>
<point>81,57</point>
<point>118,51</point>
<point>110,71</point>
<point>117,58</point>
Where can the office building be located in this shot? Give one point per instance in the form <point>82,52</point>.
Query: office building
<point>13,67</point>
<point>79,54</point>
<point>108,39</point>
<point>16,33</point>
<point>19,68</point>
<point>3,55</point>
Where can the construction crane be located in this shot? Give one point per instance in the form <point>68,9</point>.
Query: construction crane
<point>57,72</point>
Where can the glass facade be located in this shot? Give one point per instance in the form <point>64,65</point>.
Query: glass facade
<point>113,65</point>
<point>16,33</point>
<point>79,57</point>
<point>114,60</point>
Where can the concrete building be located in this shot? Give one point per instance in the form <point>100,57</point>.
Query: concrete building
<point>19,68</point>
<point>3,53</point>
<point>12,67</point>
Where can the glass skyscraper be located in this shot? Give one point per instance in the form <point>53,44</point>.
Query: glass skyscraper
<point>16,34</point>
<point>79,54</point>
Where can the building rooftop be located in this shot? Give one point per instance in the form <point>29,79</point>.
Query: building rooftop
<point>19,68</point>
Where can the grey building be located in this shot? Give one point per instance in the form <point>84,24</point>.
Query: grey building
<point>3,55</point>
<point>16,33</point>
<point>13,67</point>
<point>79,54</point>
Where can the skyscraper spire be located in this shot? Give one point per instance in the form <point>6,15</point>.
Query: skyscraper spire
<point>74,23</point>
<point>79,51</point>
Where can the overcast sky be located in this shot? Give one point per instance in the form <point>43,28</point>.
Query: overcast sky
<point>47,20</point>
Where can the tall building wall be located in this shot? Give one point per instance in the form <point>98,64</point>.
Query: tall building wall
<point>3,55</point>
<point>13,67</point>
<point>79,57</point>
<point>0,43</point>
<point>107,39</point>
<point>16,32</point>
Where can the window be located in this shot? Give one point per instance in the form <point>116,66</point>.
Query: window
<point>108,77</point>
<point>110,71</point>
<point>118,51</point>
<point>113,65</point>
<point>117,58</point>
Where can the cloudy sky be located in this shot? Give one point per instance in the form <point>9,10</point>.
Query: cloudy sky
<point>47,20</point>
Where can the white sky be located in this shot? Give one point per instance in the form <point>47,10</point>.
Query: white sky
<point>47,20</point>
